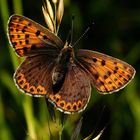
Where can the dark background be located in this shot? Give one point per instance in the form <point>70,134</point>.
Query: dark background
<point>116,32</point>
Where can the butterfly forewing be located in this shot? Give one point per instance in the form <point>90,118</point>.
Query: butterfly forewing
<point>107,74</point>
<point>28,37</point>
<point>33,75</point>
<point>74,93</point>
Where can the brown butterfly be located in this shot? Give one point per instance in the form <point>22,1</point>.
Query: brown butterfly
<point>53,69</point>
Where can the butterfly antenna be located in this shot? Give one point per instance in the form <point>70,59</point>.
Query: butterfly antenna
<point>69,39</point>
<point>85,32</point>
<point>71,36</point>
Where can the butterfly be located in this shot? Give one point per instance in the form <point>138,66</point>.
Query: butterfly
<point>55,70</point>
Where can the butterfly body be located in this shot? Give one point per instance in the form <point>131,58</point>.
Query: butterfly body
<point>54,70</point>
<point>65,57</point>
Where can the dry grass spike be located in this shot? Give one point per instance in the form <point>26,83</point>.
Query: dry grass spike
<point>60,11</point>
<point>53,13</point>
<point>48,19</point>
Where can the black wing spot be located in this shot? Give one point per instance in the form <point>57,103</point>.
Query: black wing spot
<point>57,99</point>
<point>94,59</point>
<point>74,107</point>
<point>11,24</point>
<point>113,87</point>
<point>128,76</point>
<point>115,79</point>
<point>23,30</point>
<point>109,82</point>
<point>79,105</point>
<point>105,76</point>
<point>124,79</point>
<point>12,36</point>
<point>20,19</point>
<point>38,89</point>
<point>25,27</point>
<point>25,87</point>
<point>103,62</point>
<point>125,67</point>
<point>14,44</point>
<point>115,63</point>
<point>11,29</point>
<point>20,42</point>
<point>21,82</point>
<point>120,76</point>
<point>120,84</point>
<point>96,76</point>
<point>102,83</point>
<point>27,36</point>
<point>29,24</point>
<point>31,89</point>
<point>68,107</point>
<point>19,77</point>
<point>14,18</point>
<point>116,68</point>
<point>45,37</point>
<point>62,104</point>
<point>115,71</point>
<point>37,33</point>
<point>27,41</point>
<point>108,73</point>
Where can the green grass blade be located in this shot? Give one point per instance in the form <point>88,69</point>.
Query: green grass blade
<point>5,133</point>
<point>17,4</point>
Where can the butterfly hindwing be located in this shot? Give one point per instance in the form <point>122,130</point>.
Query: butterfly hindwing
<point>33,75</point>
<point>74,94</point>
<point>28,37</point>
<point>107,74</point>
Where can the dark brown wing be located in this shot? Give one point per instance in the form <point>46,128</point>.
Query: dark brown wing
<point>107,74</point>
<point>28,37</point>
<point>34,75</point>
<point>74,93</point>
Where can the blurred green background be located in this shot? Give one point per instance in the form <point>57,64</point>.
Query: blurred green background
<point>116,32</point>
